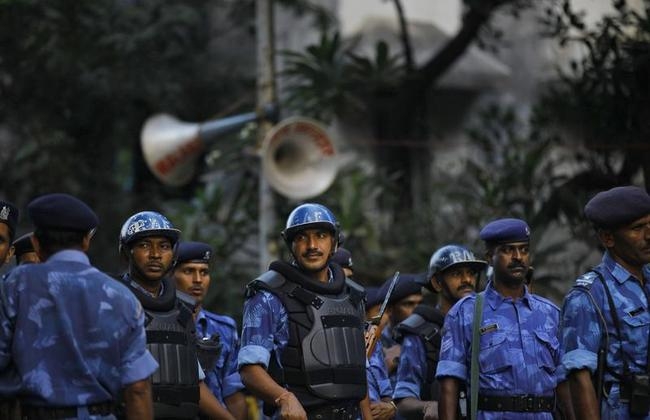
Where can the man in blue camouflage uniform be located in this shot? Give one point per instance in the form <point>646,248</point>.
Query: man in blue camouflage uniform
<point>608,309</point>
<point>518,352</point>
<point>380,391</point>
<point>73,335</point>
<point>303,349</point>
<point>453,273</point>
<point>406,295</point>
<point>148,242</point>
<point>217,334</point>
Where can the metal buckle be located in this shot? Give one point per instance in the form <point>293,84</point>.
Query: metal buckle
<point>529,403</point>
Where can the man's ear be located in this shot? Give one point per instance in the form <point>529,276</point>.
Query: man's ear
<point>12,250</point>
<point>37,247</point>
<point>435,283</point>
<point>85,244</point>
<point>606,237</point>
<point>489,253</point>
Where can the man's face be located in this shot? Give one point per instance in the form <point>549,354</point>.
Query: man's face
<point>193,278</point>
<point>403,308</point>
<point>6,249</point>
<point>312,249</point>
<point>510,262</point>
<point>153,256</point>
<point>631,243</point>
<point>29,258</point>
<point>456,282</point>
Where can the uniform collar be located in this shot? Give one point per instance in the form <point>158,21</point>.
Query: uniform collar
<point>494,298</point>
<point>70,255</point>
<point>617,271</point>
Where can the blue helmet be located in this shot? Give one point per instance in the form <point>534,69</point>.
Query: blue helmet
<point>449,256</point>
<point>310,216</point>
<point>147,223</point>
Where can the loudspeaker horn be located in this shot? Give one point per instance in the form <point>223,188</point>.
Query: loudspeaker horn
<point>299,159</point>
<point>171,147</point>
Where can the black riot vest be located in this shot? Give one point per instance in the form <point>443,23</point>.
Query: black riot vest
<point>324,361</point>
<point>171,341</point>
<point>426,322</point>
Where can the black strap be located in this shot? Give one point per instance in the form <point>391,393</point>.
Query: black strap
<point>45,413</point>
<point>518,403</point>
<point>617,324</point>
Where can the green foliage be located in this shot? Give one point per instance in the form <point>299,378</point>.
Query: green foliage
<point>77,80</point>
<point>328,80</point>
<point>604,97</point>
<point>515,171</point>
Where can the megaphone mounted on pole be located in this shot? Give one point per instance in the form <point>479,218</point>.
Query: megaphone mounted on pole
<point>171,147</point>
<point>299,159</point>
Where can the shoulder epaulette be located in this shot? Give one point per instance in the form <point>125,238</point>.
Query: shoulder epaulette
<point>545,301</point>
<point>587,279</point>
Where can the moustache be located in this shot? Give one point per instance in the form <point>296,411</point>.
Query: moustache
<point>312,254</point>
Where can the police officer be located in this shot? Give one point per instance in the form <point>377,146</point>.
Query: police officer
<point>605,316</point>
<point>217,334</point>
<point>453,274</point>
<point>517,353</point>
<point>343,257</point>
<point>148,241</point>
<point>9,215</point>
<point>303,348</point>
<point>380,390</point>
<point>24,250</point>
<point>406,295</point>
<point>73,335</point>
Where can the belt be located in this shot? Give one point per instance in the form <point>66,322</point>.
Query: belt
<point>334,412</point>
<point>30,412</point>
<point>522,403</point>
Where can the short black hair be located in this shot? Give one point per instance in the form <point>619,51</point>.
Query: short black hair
<point>52,241</point>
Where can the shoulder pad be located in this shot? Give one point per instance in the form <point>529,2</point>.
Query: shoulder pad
<point>222,319</point>
<point>266,281</point>
<point>430,314</point>
<point>412,323</point>
<point>586,280</point>
<point>186,299</point>
<point>357,292</point>
<point>355,287</point>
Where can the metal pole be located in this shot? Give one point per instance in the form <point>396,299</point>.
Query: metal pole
<point>266,94</point>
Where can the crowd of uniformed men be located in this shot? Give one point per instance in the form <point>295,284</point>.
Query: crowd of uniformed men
<point>314,344</point>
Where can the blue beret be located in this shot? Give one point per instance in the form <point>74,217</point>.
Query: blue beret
<point>406,285</point>
<point>372,296</point>
<point>342,257</point>
<point>23,245</point>
<point>505,230</point>
<point>9,215</point>
<point>194,252</point>
<point>618,206</point>
<point>62,212</point>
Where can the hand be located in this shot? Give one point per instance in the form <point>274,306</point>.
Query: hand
<point>382,410</point>
<point>430,411</point>
<point>290,408</point>
<point>391,357</point>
